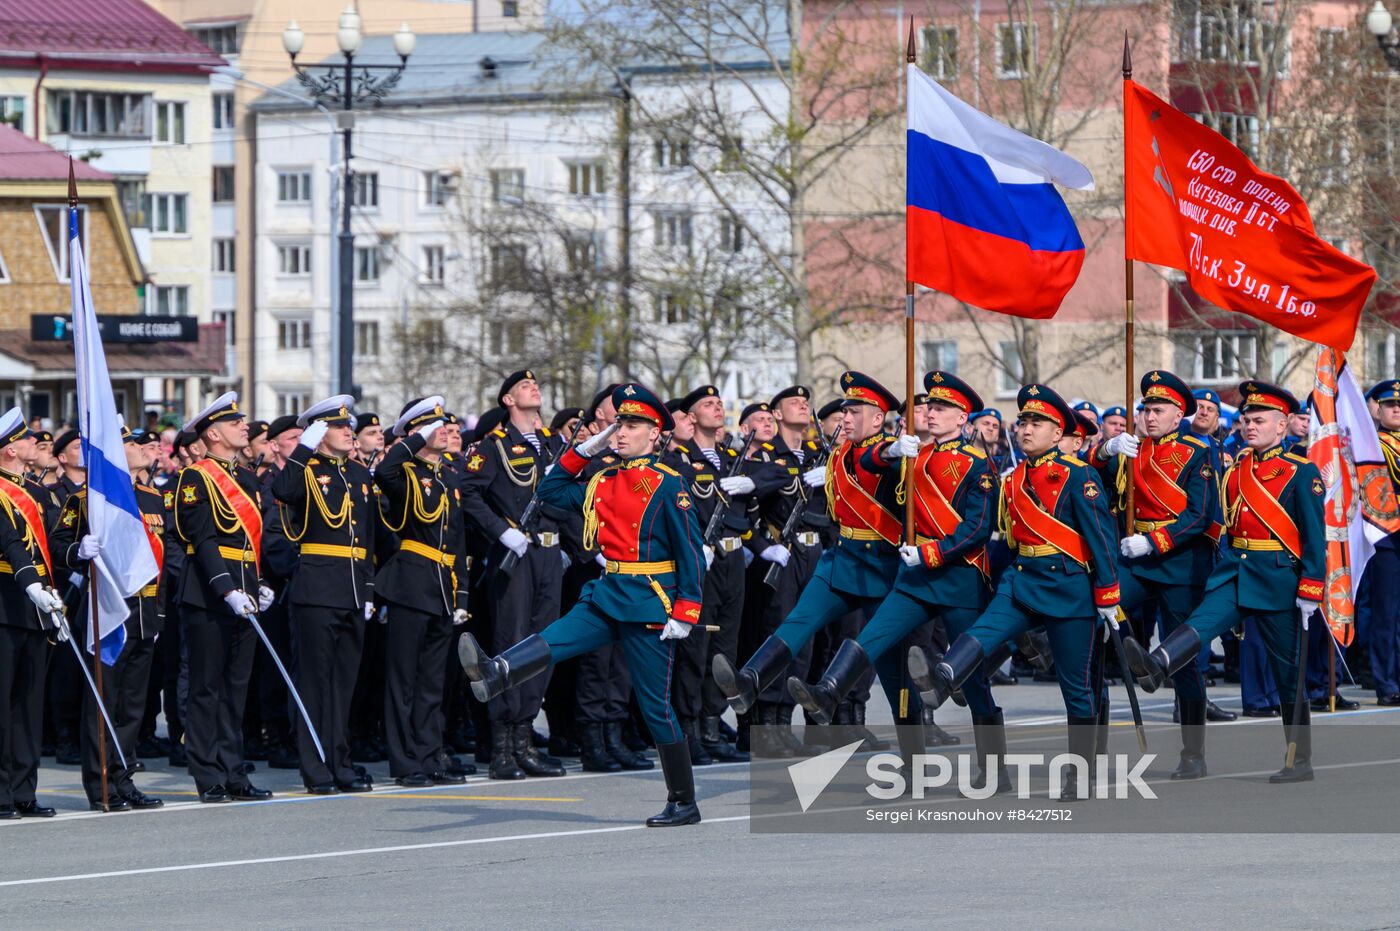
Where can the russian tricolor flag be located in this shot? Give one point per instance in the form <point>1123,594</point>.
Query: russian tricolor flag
<point>984,221</point>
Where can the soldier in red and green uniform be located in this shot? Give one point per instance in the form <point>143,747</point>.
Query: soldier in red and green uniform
<point>1272,569</point>
<point>641,517</point>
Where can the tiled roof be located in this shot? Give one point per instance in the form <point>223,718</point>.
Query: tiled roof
<point>26,159</point>
<point>102,31</point>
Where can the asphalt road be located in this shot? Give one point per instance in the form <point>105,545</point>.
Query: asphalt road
<point>571,852</point>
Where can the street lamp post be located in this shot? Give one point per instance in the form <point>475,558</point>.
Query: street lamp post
<point>1379,23</point>
<point>341,86</point>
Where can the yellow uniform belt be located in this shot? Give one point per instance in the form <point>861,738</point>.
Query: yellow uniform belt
<point>851,533</point>
<point>7,569</point>
<point>423,549</point>
<point>150,590</point>
<point>228,552</point>
<point>640,568</point>
<point>1147,526</point>
<point>1240,543</point>
<point>334,549</point>
<point>1025,549</point>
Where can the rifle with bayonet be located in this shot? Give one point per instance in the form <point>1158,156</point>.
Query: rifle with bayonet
<point>716,524</point>
<point>804,500</point>
<point>531,516</point>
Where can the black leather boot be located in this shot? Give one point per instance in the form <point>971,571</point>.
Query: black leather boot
<point>989,733</point>
<point>819,701</point>
<point>910,736</point>
<point>716,746</point>
<point>935,736</point>
<point>492,675</point>
<point>1035,647</point>
<point>788,738</point>
<point>1301,770</point>
<point>936,684</point>
<point>680,787</point>
<point>764,741</point>
<point>619,751</point>
<point>527,755</point>
<point>594,756</point>
<point>858,729</point>
<point>698,755</point>
<point>1193,740</point>
<point>1153,669</point>
<point>503,765</point>
<point>1083,736</point>
<point>741,686</point>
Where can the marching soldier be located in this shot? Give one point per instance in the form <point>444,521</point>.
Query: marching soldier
<point>944,574</point>
<point>1378,599</point>
<point>1173,533</point>
<point>26,602</point>
<point>124,683</point>
<point>1055,514</point>
<point>219,518</point>
<point>1272,569</point>
<point>501,478</point>
<point>641,516</point>
<point>424,586</point>
<point>858,572</point>
<point>329,515</point>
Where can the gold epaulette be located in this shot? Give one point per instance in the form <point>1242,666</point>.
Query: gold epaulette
<point>498,432</point>
<point>1194,440</point>
<point>544,431</point>
<point>150,488</point>
<point>1072,460</point>
<point>662,467</point>
<point>1297,458</point>
<point>768,446</point>
<point>973,451</point>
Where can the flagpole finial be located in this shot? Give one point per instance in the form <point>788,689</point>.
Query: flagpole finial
<point>72,185</point>
<point>910,55</point>
<point>1127,58</point>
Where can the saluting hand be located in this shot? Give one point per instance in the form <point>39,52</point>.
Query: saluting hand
<point>314,433</point>
<point>597,443</point>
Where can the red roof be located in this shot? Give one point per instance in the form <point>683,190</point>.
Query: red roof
<point>25,159</point>
<point>97,33</point>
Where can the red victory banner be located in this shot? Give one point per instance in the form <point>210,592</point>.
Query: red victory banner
<point>1244,238</point>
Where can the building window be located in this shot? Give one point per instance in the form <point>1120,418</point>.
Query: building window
<point>1232,32</point>
<point>1222,356</point>
<point>223,184</point>
<point>4,271</point>
<point>434,265</point>
<point>367,264</point>
<point>294,260</point>
<point>172,300</point>
<point>223,111</point>
<point>672,153</point>
<point>294,333</point>
<point>508,267</point>
<point>437,187</point>
<point>291,403</point>
<point>169,214</point>
<point>581,252</point>
<point>12,112</point>
<point>1015,49</point>
<point>510,9</point>
<point>1240,129</point>
<point>222,40</point>
<point>53,224</point>
<point>364,189</point>
<point>170,123</point>
<point>1009,369</point>
<point>1332,51</point>
<point>91,113</point>
<point>366,339</point>
<point>1382,355</point>
<point>506,338</point>
<point>670,307</point>
<point>941,51</point>
<point>585,178</point>
<point>294,187</point>
<point>132,193</point>
<point>223,255</point>
<point>672,230</point>
<point>731,153</point>
<point>731,234</point>
<point>227,317</point>
<point>508,185</point>
<point>941,354</point>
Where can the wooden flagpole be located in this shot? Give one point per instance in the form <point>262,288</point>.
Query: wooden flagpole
<point>906,466</point>
<point>1130,512</point>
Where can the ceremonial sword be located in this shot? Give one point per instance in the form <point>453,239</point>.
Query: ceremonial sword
<point>315,738</point>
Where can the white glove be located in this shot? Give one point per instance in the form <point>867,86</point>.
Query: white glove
<point>675,630</point>
<point>515,541</point>
<point>777,554</point>
<point>1136,545</point>
<point>241,604</point>
<point>427,430</point>
<point>1110,616</point>
<point>43,599</point>
<point>601,560</point>
<point>1006,473</point>
<point>265,596</point>
<point>906,447</point>
<point>709,556</point>
<point>748,557</point>
<point>1124,443</point>
<point>910,555</point>
<point>1307,609</point>
<point>814,478</point>
<point>314,433</point>
<point>736,484</point>
<point>460,617</point>
<point>369,611</point>
<point>596,444</point>
<point>88,547</point>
